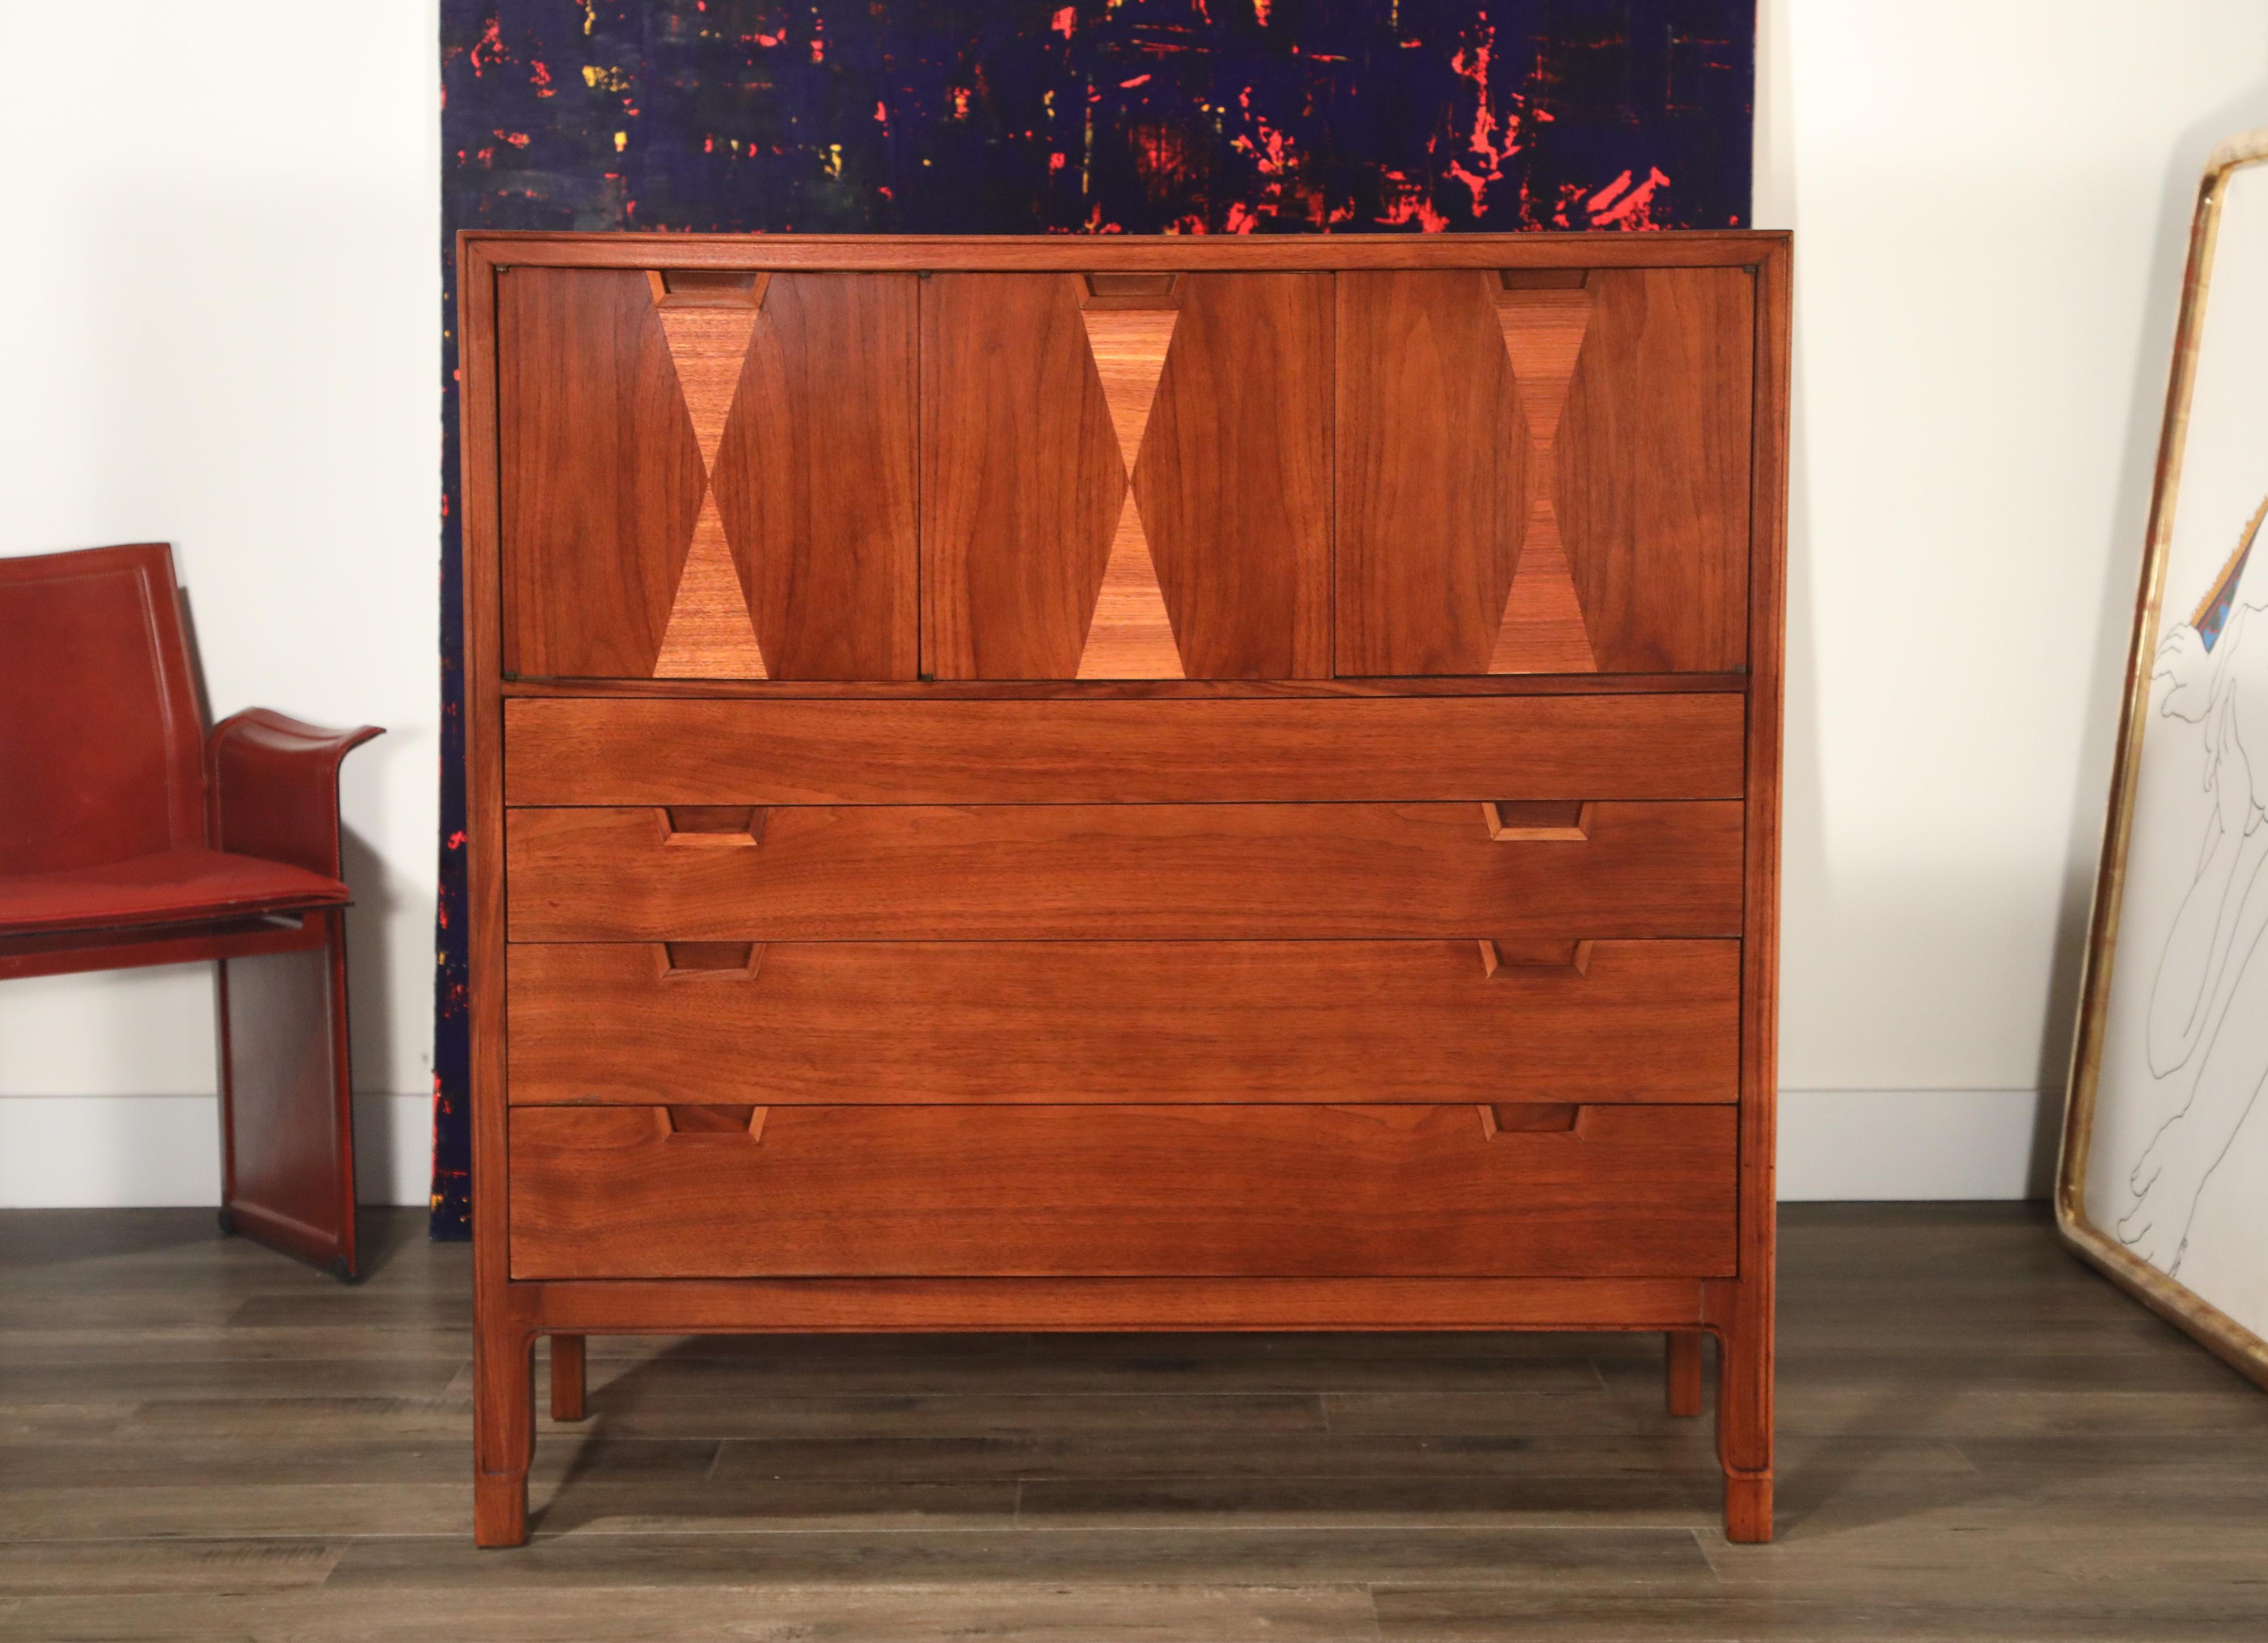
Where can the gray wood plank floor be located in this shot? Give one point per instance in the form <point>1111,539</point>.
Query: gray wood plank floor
<point>1978,1440</point>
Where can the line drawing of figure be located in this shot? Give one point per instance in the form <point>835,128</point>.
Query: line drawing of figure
<point>2208,1013</point>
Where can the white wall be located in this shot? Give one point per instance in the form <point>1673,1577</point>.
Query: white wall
<point>223,292</point>
<point>232,215</point>
<point>1991,200</point>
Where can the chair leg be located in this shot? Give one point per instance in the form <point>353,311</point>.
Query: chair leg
<point>1682,1371</point>
<point>286,1101</point>
<point>567,1377</point>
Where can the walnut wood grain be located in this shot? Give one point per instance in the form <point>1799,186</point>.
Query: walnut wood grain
<point>1432,449</point>
<point>1131,252</point>
<point>1043,562</point>
<point>1101,1191</point>
<point>1234,484</point>
<point>615,752</point>
<point>1133,689</point>
<point>1021,477</point>
<point>1225,872</point>
<point>504,1390</point>
<point>1628,481</point>
<point>598,471</point>
<point>1153,862</point>
<point>1744,1312</point>
<point>1645,1021</point>
<point>1682,1372</point>
<point>567,1378</point>
<point>815,477</point>
<point>1051,1306</point>
<point>1653,484</point>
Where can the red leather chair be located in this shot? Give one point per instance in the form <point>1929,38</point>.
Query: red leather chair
<point>128,837</point>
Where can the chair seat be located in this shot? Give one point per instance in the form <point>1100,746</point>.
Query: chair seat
<point>166,887</point>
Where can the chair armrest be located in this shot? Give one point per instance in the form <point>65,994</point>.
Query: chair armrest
<point>276,788</point>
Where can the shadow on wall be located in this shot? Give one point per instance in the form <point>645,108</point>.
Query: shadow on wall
<point>393,1149</point>
<point>2128,526</point>
<point>392,1131</point>
<point>370,935</point>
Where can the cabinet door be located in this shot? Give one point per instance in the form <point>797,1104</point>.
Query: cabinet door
<point>1126,476</point>
<point>1542,471</point>
<point>707,475</point>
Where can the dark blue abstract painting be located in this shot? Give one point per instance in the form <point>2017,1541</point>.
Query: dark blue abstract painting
<point>1022,116</point>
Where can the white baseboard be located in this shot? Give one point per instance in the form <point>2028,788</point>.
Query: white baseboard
<point>1916,1144</point>
<point>121,1152</point>
<point>60,1151</point>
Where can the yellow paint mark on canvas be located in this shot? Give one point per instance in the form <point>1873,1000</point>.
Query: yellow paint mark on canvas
<point>835,159</point>
<point>622,141</point>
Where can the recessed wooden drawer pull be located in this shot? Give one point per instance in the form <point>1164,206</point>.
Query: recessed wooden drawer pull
<point>708,288</point>
<point>1130,291</point>
<point>714,827</point>
<point>1543,279</point>
<point>716,1124</point>
<point>726,961</point>
<point>1532,1118</point>
<point>1549,821</point>
<point>1534,955</point>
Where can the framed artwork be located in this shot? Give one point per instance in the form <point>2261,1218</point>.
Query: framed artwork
<point>2163,1182</point>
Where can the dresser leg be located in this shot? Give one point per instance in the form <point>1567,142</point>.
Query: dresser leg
<point>1744,1409</point>
<point>503,1433</point>
<point>567,1377</point>
<point>1682,1371</point>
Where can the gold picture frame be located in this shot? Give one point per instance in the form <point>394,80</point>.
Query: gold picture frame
<point>2100,1242</point>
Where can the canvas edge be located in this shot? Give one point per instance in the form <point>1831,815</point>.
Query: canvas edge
<point>2162,1294</point>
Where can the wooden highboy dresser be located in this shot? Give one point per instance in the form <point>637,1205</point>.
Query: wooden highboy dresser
<point>1123,783</point>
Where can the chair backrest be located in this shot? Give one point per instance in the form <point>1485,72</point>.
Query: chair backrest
<point>101,744</point>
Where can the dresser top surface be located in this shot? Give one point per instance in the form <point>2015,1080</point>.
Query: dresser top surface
<point>1075,253</point>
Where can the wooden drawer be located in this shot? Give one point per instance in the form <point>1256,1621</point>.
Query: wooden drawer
<point>1051,1191</point>
<point>1549,478</point>
<point>706,476</point>
<point>843,1022</point>
<point>1227,871</point>
<point>707,752</point>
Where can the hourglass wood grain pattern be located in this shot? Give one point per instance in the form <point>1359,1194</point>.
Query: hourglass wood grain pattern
<point>709,475</point>
<point>1543,471</point>
<point>1123,783</point>
<point>1126,476</point>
